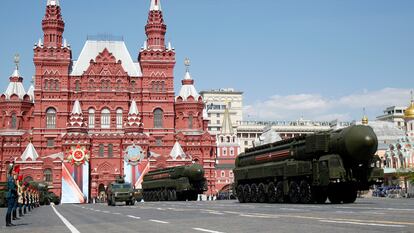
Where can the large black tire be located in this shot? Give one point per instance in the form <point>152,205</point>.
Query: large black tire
<point>280,195</point>
<point>306,196</point>
<point>254,193</point>
<point>320,195</point>
<point>334,194</point>
<point>247,193</point>
<point>240,193</point>
<point>349,194</point>
<point>271,193</point>
<point>294,192</point>
<point>174,195</point>
<point>113,202</point>
<point>261,193</point>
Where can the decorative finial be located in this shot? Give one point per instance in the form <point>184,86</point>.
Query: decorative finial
<point>17,60</point>
<point>33,80</point>
<point>412,97</point>
<point>187,64</point>
<point>364,120</point>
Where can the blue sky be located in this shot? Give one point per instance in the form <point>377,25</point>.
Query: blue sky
<point>320,59</point>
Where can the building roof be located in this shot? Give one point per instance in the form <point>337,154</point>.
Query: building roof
<point>91,50</point>
<point>133,109</point>
<point>30,92</point>
<point>188,89</point>
<point>15,87</point>
<point>77,109</point>
<point>177,151</point>
<point>387,132</point>
<point>227,126</point>
<point>155,5</point>
<point>30,153</point>
<point>53,3</point>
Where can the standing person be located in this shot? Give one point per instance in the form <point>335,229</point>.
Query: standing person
<point>25,198</point>
<point>20,195</point>
<point>10,196</point>
<point>28,199</point>
<point>16,196</point>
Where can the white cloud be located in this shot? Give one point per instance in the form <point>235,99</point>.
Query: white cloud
<point>318,107</point>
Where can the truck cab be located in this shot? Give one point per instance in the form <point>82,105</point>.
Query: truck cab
<point>120,191</point>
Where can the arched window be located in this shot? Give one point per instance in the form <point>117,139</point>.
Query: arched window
<point>46,84</point>
<point>105,119</point>
<point>118,84</point>
<point>224,151</point>
<point>232,151</point>
<point>47,174</point>
<point>51,118</point>
<point>101,150</point>
<point>110,150</point>
<point>119,119</point>
<point>190,122</point>
<point>133,85</point>
<point>163,86</point>
<point>91,84</point>
<point>222,174</point>
<point>13,121</point>
<point>91,118</point>
<point>56,85</point>
<point>28,179</point>
<point>158,118</point>
<point>77,85</point>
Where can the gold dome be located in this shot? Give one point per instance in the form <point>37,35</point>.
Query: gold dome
<point>409,112</point>
<point>364,120</point>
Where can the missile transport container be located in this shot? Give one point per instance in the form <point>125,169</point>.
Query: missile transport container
<point>309,169</point>
<point>174,184</point>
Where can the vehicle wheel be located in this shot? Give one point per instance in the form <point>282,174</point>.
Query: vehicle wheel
<point>126,203</point>
<point>157,196</point>
<point>305,192</point>
<point>280,195</point>
<point>349,194</point>
<point>164,195</point>
<point>254,193</point>
<point>247,193</point>
<point>132,202</point>
<point>240,194</point>
<point>271,192</point>
<point>113,202</point>
<point>320,195</point>
<point>262,193</point>
<point>174,195</point>
<point>294,192</point>
<point>334,194</point>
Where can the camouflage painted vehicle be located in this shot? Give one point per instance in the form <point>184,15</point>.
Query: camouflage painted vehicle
<point>174,184</point>
<point>120,191</point>
<point>309,169</point>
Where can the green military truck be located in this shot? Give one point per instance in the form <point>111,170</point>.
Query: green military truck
<point>175,183</point>
<point>120,191</point>
<point>309,169</point>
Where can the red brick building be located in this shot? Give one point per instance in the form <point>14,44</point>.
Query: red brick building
<point>104,101</point>
<point>228,147</point>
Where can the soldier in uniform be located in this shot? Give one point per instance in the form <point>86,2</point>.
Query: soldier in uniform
<point>20,195</point>
<point>16,196</point>
<point>24,197</point>
<point>11,195</point>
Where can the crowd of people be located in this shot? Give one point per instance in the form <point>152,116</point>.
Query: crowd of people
<point>22,197</point>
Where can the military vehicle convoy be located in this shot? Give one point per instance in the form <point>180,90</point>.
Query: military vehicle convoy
<point>309,169</point>
<point>174,184</point>
<point>120,191</point>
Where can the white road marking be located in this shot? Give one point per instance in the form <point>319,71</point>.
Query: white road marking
<point>206,230</point>
<point>135,217</point>
<point>363,223</point>
<point>106,212</point>
<point>65,221</point>
<point>257,216</point>
<point>158,221</point>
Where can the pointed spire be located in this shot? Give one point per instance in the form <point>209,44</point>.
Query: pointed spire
<point>133,110</point>
<point>77,109</point>
<point>227,126</point>
<point>30,92</point>
<point>16,73</point>
<point>30,153</point>
<point>177,151</point>
<point>188,88</point>
<point>155,5</point>
<point>169,46</point>
<point>145,45</point>
<point>39,43</point>
<point>53,3</point>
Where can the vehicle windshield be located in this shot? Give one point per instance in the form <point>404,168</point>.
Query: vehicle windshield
<point>121,186</point>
